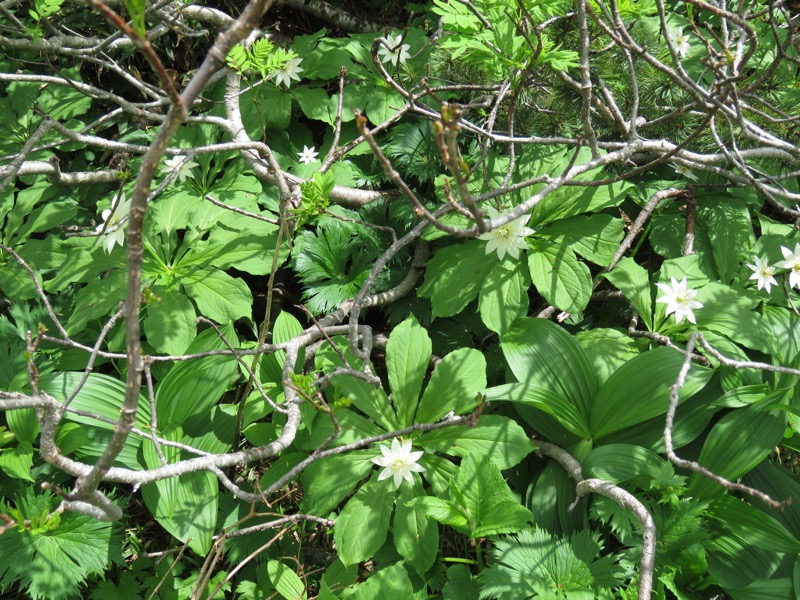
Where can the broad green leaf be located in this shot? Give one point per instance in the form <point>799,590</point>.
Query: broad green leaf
<point>17,462</point>
<point>363,524</point>
<point>285,328</point>
<point>595,237</point>
<point>549,406</point>
<point>316,104</point>
<point>568,201</point>
<point>730,313</point>
<point>136,10</point>
<point>186,506</point>
<point>328,481</point>
<point>460,584</point>
<point>453,386</point>
<point>639,390</point>
<point>454,276</point>
<point>496,437</point>
<point>752,431</point>
<point>407,354</point>
<point>388,582</point>
<point>754,527</point>
<point>219,296</point>
<point>286,581</point>
<point>446,512</point>
<point>618,463</point>
<point>608,349</point>
<point>170,321</point>
<point>633,281</point>
<point>24,424</point>
<point>563,280</point>
<point>542,354</point>
<point>383,102</point>
<point>416,538</point>
<point>193,387</point>
<point>504,295</point>
<point>727,222</point>
<point>101,395</point>
<point>46,217</point>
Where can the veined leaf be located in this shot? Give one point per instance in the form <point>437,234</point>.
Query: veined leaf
<point>363,524</point>
<point>563,280</point>
<point>407,354</point>
<point>455,382</point>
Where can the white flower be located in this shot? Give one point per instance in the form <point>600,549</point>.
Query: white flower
<point>394,53</point>
<point>290,70</point>
<point>678,299</point>
<point>508,238</point>
<point>763,273</point>
<point>681,42</point>
<point>684,171</point>
<point>111,226</point>
<point>792,263</point>
<point>399,461</point>
<point>181,164</point>
<point>308,155</point>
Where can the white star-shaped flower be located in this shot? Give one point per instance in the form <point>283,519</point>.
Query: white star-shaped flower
<point>679,300</point>
<point>394,52</point>
<point>681,42</point>
<point>181,164</point>
<point>289,71</point>
<point>792,263</point>
<point>111,227</point>
<point>308,155</point>
<point>508,238</point>
<point>763,273</point>
<point>684,171</point>
<point>399,462</point>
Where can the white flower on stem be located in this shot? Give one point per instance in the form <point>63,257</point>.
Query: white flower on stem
<point>399,462</point>
<point>308,155</point>
<point>394,52</point>
<point>679,300</point>
<point>181,164</point>
<point>289,71</point>
<point>681,42</point>
<point>684,171</point>
<point>792,263</point>
<point>111,227</point>
<point>508,238</point>
<point>763,273</point>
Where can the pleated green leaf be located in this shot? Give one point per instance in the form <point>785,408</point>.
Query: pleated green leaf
<point>540,353</point>
<point>193,387</point>
<point>752,431</point>
<point>753,526</point>
<point>563,280</point>
<point>286,581</point>
<point>618,463</point>
<point>639,390</point>
<point>101,395</point>
<point>186,506</point>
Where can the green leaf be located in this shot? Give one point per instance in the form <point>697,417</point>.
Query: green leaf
<point>286,581</point>
<point>498,438</point>
<point>388,582</point>
<point>460,584</point>
<point>560,277</point>
<point>455,275</point>
<point>316,104</point>
<point>16,462</point>
<point>186,506</point>
<point>618,463</point>
<point>104,396</point>
<point>752,431</point>
<point>568,201</point>
<point>170,321</point>
<point>453,386</point>
<point>136,10</point>
<point>327,482</point>
<point>219,296</point>
<point>445,512</point>
<point>363,524</point>
<point>595,237</point>
<point>407,354</point>
<point>488,502</point>
<point>753,526</point>
<point>416,538</point>
<point>727,222</point>
<point>639,390</point>
<point>633,281</point>
<point>540,353</point>
<point>567,422</point>
<point>608,349</point>
<point>285,328</point>
<point>504,295</point>
<point>193,387</point>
